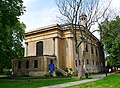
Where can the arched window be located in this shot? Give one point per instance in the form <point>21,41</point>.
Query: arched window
<point>39,48</point>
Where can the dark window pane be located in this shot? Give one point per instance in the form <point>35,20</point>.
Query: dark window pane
<point>97,63</point>
<point>35,63</point>
<point>79,62</point>
<point>39,48</point>
<point>19,64</point>
<point>86,47</point>
<point>93,62</point>
<point>27,64</point>
<point>51,61</point>
<point>87,61</point>
<point>92,49</point>
<point>76,63</point>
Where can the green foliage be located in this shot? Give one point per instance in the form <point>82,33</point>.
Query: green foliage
<point>75,74</point>
<point>58,73</point>
<point>110,37</point>
<point>68,71</point>
<point>11,31</point>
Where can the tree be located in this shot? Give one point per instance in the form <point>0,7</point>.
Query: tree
<point>110,37</point>
<point>74,12</point>
<point>11,31</point>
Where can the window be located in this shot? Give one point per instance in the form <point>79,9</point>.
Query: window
<point>79,62</point>
<point>35,63</point>
<point>27,64</point>
<point>51,61</point>
<point>39,48</point>
<point>19,64</point>
<point>92,49</point>
<point>86,47</point>
<point>97,63</point>
<point>87,61</point>
<point>93,62</point>
<point>76,63</point>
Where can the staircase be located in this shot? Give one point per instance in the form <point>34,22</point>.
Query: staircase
<point>62,71</point>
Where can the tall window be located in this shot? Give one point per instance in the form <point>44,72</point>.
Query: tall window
<point>19,64</point>
<point>39,48</point>
<point>27,64</point>
<point>87,61</point>
<point>76,63</point>
<point>86,47</point>
<point>97,63</point>
<point>79,62</point>
<point>51,61</point>
<point>92,49</point>
<point>35,63</point>
<point>93,62</point>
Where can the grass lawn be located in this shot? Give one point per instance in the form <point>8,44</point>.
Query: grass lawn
<point>112,81</point>
<point>3,76</point>
<point>28,82</point>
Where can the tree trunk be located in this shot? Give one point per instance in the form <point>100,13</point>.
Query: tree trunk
<point>79,67</point>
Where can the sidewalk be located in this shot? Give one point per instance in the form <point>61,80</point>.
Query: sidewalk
<point>94,78</point>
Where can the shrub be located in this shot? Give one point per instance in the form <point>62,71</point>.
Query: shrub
<point>69,71</point>
<point>75,74</point>
<point>58,73</point>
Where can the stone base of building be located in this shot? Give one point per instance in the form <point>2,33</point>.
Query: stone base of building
<point>32,66</point>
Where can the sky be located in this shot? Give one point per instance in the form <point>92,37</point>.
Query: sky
<point>41,13</point>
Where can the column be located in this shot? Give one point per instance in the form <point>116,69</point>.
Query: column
<point>26,49</point>
<point>71,53</point>
<point>57,51</point>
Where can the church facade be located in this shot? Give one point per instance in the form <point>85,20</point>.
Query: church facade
<point>55,43</point>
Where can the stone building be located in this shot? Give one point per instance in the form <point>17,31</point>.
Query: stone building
<point>55,44</point>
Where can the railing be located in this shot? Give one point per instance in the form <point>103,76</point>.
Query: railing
<point>62,71</point>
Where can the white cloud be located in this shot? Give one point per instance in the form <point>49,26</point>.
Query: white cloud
<point>115,5</point>
<point>45,15</point>
<point>28,2</point>
<point>40,18</point>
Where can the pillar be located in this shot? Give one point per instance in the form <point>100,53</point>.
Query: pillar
<point>57,51</point>
<point>26,49</point>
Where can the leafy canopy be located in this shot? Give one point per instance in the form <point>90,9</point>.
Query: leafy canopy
<point>11,31</point>
<point>110,36</point>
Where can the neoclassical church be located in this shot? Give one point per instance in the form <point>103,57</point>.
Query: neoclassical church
<point>55,43</point>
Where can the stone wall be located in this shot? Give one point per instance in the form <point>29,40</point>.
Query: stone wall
<point>40,70</point>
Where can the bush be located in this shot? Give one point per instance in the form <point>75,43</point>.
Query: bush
<point>58,73</point>
<point>66,70</point>
<point>69,71</point>
<point>75,74</point>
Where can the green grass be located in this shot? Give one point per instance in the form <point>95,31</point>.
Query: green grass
<point>112,81</point>
<point>30,82</point>
<point>3,76</point>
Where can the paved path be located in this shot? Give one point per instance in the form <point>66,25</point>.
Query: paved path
<point>94,78</point>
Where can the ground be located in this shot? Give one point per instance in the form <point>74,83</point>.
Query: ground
<point>111,81</point>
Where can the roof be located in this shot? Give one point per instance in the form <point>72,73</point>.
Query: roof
<point>53,26</point>
<point>41,29</point>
